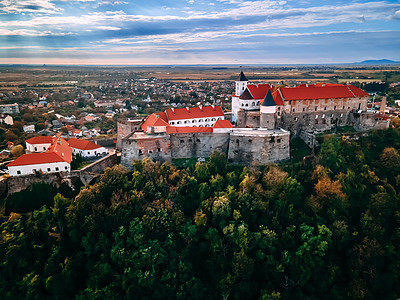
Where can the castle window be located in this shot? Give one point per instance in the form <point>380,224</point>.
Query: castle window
<point>57,169</point>
<point>253,104</point>
<point>150,151</point>
<point>343,107</point>
<point>334,107</point>
<point>315,108</point>
<point>172,123</point>
<point>278,140</point>
<point>250,141</point>
<point>295,118</point>
<point>18,172</point>
<point>279,108</point>
<point>35,149</point>
<point>325,108</point>
<point>331,115</point>
<point>181,141</point>
<point>323,116</point>
<point>316,116</point>
<point>272,140</point>
<point>207,125</point>
<point>213,119</point>
<point>293,110</point>
<point>194,121</point>
<point>66,168</point>
<point>316,121</point>
<point>207,120</point>
<point>190,140</point>
<point>201,120</point>
<point>304,108</point>
<point>279,113</point>
<point>198,140</point>
<point>290,102</point>
<point>323,121</point>
<point>341,115</point>
<point>237,142</point>
<point>179,122</point>
<point>247,104</point>
<point>242,104</point>
<point>201,125</point>
<point>34,170</point>
<point>48,169</point>
<point>159,149</point>
<point>186,122</point>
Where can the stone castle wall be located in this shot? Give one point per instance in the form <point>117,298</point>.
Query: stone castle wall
<point>258,147</point>
<point>200,144</point>
<point>126,127</point>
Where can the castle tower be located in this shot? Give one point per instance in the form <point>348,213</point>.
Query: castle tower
<point>267,110</point>
<point>240,87</point>
<point>240,84</point>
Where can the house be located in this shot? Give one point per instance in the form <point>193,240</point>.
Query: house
<point>57,158</point>
<point>29,128</point>
<point>39,143</point>
<point>7,120</point>
<point>9,108</point>
<point>86,148</point>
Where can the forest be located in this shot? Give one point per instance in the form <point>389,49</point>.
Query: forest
<point>325,228</point>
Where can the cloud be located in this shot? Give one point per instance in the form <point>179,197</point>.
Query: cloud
<point>28,6</point>
<point>29,32</point>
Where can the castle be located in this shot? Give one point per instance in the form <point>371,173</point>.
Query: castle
<point>263,120</point>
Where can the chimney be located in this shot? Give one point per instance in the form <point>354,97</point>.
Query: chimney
<point>173,110</point>
<point>213,106</point>
<point>201,107</point>
<point>383,105</point>
<point>188,109</point>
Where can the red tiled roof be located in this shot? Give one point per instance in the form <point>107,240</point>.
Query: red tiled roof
<point>172,129</point>
<point>222,124</point>
<point>40,140</point>
<point>62,149</point>
<point>258,91</point>
<point>321,92</point>
<point>36,158</point>
<point>194,113</point>
<point>155,119</point>
<point>277,97</point>
<point>82,144</point>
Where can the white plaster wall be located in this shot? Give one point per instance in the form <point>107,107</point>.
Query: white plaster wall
<point>30,169</point>
<point>90,153</point>
<point>196,122</point>
<point>39,147</point>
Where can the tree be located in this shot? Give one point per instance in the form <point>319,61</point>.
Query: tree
<point>17,151</point>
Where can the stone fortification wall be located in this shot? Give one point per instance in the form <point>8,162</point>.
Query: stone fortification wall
<point>141,145</point>
<point>368,121</point>
<point>125,128</point>
<point>317,121</point>
<point>106,142</point>
<point>201,144</point>
<point>248,119</point>
<point>100,165</point>
<point>19,183</point>
<point>258,146</point>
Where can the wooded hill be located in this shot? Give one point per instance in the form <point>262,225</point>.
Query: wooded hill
<point>327,230</point>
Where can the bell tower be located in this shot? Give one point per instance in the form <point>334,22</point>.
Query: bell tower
<point>267,110</point>
<point>240,84</point>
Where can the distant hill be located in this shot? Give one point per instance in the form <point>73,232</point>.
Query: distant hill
<point>378,62</point>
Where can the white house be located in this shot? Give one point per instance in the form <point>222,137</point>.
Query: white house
<point>86,148</point>
<point>7,120</point>
<point>39,143</point>
<point>57,158</point>
<point>202,116</point>
<point>29,128</point>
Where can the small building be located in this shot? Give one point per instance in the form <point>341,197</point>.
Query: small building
<point>57,158</point>
<point>29,128</point>
<point>8,120</point>
<point>86,148</point>
<point>39,143</point>
<point>9,108</point>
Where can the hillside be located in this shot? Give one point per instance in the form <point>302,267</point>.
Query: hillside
<point>328,229</point>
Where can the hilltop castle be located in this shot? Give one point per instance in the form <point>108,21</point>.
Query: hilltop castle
<point>263,118</point>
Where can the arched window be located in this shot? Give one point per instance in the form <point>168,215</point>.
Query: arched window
<point>253,104</point>
<point>213,119</point>
<point>179,122</point>
<point>207,120</point>
<point>201,120</point>
<point>247,104</point>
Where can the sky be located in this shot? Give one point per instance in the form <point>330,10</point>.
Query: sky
<point>172,32</point>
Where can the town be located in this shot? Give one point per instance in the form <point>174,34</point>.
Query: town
<point>83,114</point>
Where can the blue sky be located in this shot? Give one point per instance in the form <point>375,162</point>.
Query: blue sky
<point>140,32</point>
